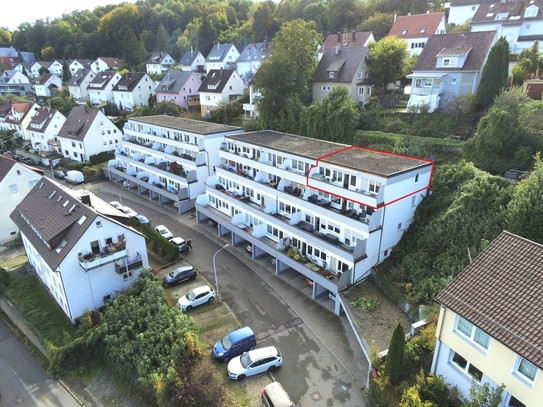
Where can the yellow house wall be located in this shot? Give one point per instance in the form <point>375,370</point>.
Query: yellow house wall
<point>498,363</point>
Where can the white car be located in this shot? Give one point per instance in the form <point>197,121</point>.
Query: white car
<point>198,296</point>
<point>116,205</point>
<point>255,362</point>
<point>164,232</point>
<point>129,211</point>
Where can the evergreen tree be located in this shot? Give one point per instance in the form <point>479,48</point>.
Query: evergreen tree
<point>395,356</point>
<point>495,73</point>
<point>66,74</point>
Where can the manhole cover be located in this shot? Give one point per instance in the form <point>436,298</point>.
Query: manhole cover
<point>316,396</point>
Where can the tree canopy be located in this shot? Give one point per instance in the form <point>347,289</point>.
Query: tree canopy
<point>528,63</point>
<point>387,60</point>
<point>495,73</point>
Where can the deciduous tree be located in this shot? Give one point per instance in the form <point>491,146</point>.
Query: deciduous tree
<point>386,59</point>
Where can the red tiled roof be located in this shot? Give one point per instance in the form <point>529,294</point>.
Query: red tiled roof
<point>346,40</point>
<point>411,26</point>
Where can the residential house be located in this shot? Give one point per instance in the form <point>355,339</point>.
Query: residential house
<point>79,83</point>
<point>13,82</point>
<point>221,56</point>
<point>168,159</point>
<point>193,60</point>
<point>345,39</point>
<point>101,87</point>
<point>43,130</point>
<point>56,67</point>
<point>326,212</point>
<point>47,85</point>
<point>450,65</point>
<point>250,110</point>
<point>461,11</point>
<point>533,88</point>
<point>84,256</point>
<point>159,63</point>
<point>251,58</point>
<point>342,67</point>
<point>219,86</point>
<point>26,65</point>
<point>16,180</point>
<point>179,87</point>
<point>5,110</point>
<point>18,118</point>
<point>10,62</point>
<point>87,132</point>
<point>13,53</point>
<point>102,64</point>
<point>75,65</point>
<point>489,323</point>
<point>520,22</point>
<point>34,71</point>
<point>417,28</point>
<point>133,89</point>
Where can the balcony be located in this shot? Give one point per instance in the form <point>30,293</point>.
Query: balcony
<point>156,135</point>
<point>110,253</point>
<point>126,266</point>
<point>169,152</point>
<point>53,142</point>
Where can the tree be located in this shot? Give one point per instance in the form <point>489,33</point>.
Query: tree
<point>43,69</point>
<point>484,395</point>
<point>387,59</point>
<point>395,357</point>
<point>528,63</point>
<point>66,74</point>
<point>287,73</point>
<point>48,53</point>
<point>378,23</point>
<point>495,73</point>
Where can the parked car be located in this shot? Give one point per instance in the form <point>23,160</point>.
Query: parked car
<point>142,219</point>
<point>234,344</point>
<point>59,174</point>
<point>116,205</point>
<point>180,243</point>
<point>164,232</point>
<point>255,362</point>
<point>274,395</point>
<point>179,275</point>
<point>194,298</point>
<point>129,211</point>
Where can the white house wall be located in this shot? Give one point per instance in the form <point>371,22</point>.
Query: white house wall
<point>460,14</point>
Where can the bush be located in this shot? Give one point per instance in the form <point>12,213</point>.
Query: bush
<point>367,303</point>
<point>395,357</point>
<point>102,157</point>
<point>5,278</point>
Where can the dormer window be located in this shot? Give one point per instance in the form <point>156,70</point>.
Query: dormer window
<point>449,62</point>
<point>531,11</point>
<point>331,74</point>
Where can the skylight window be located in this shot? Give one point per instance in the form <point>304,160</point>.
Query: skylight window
<point>404,32</point>
<point>82,219</point>
<point>59,199</point>
<point>65,203</point>
<point>501,16</point>
<point>423,30</point>
<point>52,194</point>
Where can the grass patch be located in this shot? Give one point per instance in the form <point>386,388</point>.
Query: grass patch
<point>40,310</point>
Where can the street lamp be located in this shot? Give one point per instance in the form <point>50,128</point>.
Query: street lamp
<point>120,198</point>
<point>215,269</point>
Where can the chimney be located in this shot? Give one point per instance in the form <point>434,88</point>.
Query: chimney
<point>428,12</point>
<point>191,50</point>
<point>339,36</point>
<point>408,14</point>
<point>218,46</point>
<point>337,49</point>
<point>354,35</point>
<point>265,44</point>
<point>221,71</point>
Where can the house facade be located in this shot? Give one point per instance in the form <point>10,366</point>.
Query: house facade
<point>43,130</point>
<point>102,64</point>
<point>221,56</point>
<point>79,83</point>
<point>168,159</point>
<point>250,110</point>
<point>101,87</point>
<point>251,58</point>
<point>178,87</point>
<point>449,66</point>
<point>47,85</point>
<point>461,11</point>
<point>83,256</point>
<point>342,67</point>
<point>13,82</point>
<point>133,89</point>
<point>192,60</point>
<point>87,132</point>
<point>77,64</point>
<point>488,329</point>
<point>34,70</point>
<point>324,210</point>
<point>520,22</point>
<point>18,117</point>
<point>417,28</point>
<point>16,180</point>
<point>219,86</point>
<point>159,63</point>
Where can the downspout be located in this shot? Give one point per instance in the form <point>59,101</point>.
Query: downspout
<point>475,82</point>
<point>381,236</point>
<point>437,351</point>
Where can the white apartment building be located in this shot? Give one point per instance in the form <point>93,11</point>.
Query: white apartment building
<point>324,210</point>
<point>167,158</point>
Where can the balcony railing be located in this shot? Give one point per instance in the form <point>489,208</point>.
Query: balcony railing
<point>125,268</point>
<point>110,253</point>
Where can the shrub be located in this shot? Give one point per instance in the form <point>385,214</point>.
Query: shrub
<point>365,302</point>
<point>395,357</point>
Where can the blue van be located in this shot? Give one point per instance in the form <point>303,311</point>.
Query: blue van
<point>234,344</point>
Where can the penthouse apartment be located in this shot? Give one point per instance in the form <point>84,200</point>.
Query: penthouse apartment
<point>168,158</point>
<point>324,210</point>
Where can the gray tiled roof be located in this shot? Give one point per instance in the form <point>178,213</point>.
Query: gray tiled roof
<point>218,78</point>
<point>129,81</point>
<point>188,58</point>
<point>219,52</point>
<point>500,292</point>
<point>79,76</point>
<point>460,3</point>
<point>255,52</point>
<point>101,80</point>
<point>78,122</point>
<point>513,12</point>
<point>374,162</point>
<point>173,81</point>
<point>355,39</point>
<point>480,44</point>
<point>345,63</point>
<point>157,57</point>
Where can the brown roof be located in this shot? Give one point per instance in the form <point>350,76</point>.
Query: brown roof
<point>6,164</point>
<point>416,25</point>
<point>78,122</point>
<point>500,292</point>
<point>101,80</point>
<point>218,78</point>
<point>459,3</point>
<point>112,62</point>
<point>129,81</point>
<point>479,44</point>
<point>534,90</point>
<point>512,12</point>
<point>346,40</point>
<point>19,107</point>
<point>43,78</point>
<point>345,64</point>
<point>42,118</point>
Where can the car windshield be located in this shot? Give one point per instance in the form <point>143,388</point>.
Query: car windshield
<point>190,295</point>
<point>162,231</point>
<point>246,360</point>
<point>227,342</point>
<point>172,274</point>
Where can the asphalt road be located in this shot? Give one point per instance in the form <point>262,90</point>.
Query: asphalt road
<point>23,382</point>
<point>312,373</point>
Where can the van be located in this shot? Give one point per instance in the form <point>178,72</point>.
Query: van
<point>234,344</point>
<point>75,177</point>
<point>274,395</point>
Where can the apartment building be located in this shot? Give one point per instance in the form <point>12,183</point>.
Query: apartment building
<point>167,158</point>
<point>324,210</point>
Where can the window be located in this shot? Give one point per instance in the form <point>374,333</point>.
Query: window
<point>453,81</point>
<point>449,62</point>
<point>404,32</point>
<point>466,367</point>
<point>427,83</point>
<point>423,30</point>
<point>416,178</point>
<point>418,83</point>
<point>374,186</point>
<point>19,172</point>
<point>527,369</point>
<point>73,143</point>
<point>331,74</point>
<point>13,189</point>
<point>361,90</point>
<point>400,226</point>
<point>514,402</point>
<point>413,200</point>
<point>99,224</point>
<point>32,183</point>
<point>528,26</point>
<point>61,245</point>
<point>360,75</point>
<point>472,332</point>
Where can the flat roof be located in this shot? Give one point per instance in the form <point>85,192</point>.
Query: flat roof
<point>179,123</point>
<point>356,158</point>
